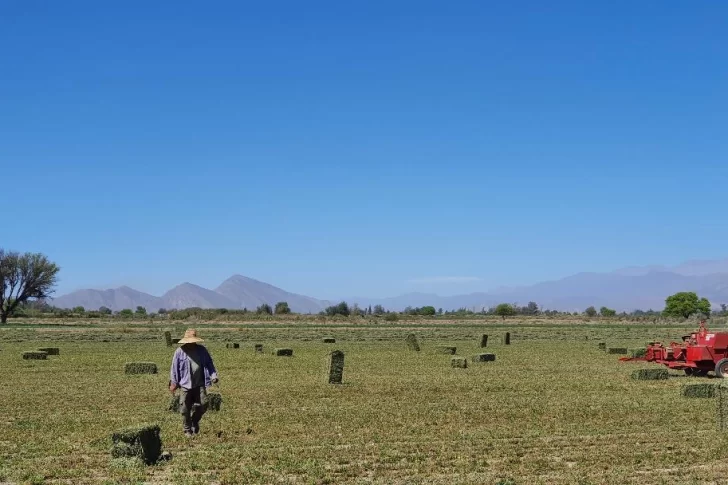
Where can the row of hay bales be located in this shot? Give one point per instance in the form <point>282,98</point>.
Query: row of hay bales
<point>41,354</point>
<point>633,353</point>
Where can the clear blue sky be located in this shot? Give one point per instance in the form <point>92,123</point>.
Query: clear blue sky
<point>362,148</point>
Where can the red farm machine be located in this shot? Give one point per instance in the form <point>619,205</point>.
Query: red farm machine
<point>698,353</point>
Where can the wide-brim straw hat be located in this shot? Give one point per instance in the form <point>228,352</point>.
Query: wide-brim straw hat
<point>190,337</point>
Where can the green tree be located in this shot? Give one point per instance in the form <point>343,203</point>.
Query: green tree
<point>282,308</point>
<point>264,309</point>
<point>162,311</point>
<point>140,311</point>
<point>607,312</point>
<point>79,309</point>
<point>105,310</point>
<point>505,310</point>
<point>378,310</point>
<point>427,311</point>
<point>591,312</point>
<point>684,304</point>
<point>24,277</point>
<point>340,309</point>
<point>126,313</point>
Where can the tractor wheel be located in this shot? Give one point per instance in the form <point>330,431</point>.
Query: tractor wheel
<point>721,368</point>
<point>689,371</point>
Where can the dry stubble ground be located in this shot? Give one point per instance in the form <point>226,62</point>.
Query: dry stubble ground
<point>552,409</point>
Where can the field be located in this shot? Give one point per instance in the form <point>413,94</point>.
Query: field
<point>551,409</point>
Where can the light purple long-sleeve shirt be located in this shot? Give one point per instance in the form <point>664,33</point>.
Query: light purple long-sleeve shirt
<point>181,372</point>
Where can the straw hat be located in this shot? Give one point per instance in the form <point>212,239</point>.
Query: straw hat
<point>190,337</point>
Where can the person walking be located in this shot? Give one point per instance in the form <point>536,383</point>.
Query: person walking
<point>192,372</point>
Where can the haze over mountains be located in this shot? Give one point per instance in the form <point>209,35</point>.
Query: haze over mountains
<point>625,289</point>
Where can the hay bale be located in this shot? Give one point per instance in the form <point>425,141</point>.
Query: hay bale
<point>459,362</point>
<point>214,401</point>
<point>650,374</point>
<point>722,405</point>
<point>602,346</point>
<point>445,349</point>
<point>336,367</point>
<point>140,368</point>
<point>35,355</point>
<point>168,338</point>
<point>617,350</point>
<point>141,442</point>
<point>637,353</point>
<point>283,352</point>
<point>51,350</point>
<point>704,390</point>
<point>232,345</point>
<point>329,340</point>
<point>173,404</point>
<point>258,348</point>
<point>484,341</point>
<point>175,341</point>
<point>507,340</point>
<point>412,343</point>
<point>484,358</point>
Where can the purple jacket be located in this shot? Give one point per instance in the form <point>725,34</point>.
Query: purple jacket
<point>181,372</point>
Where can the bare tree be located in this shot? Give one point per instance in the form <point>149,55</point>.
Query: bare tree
<point>23,277</point>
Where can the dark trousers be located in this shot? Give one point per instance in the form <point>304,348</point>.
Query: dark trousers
<point>192,405</point>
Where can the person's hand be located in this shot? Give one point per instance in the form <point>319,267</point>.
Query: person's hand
<point>172,388</point>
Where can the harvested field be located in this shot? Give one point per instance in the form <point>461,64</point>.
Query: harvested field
<point>140,368</point>
<point>550,410</point>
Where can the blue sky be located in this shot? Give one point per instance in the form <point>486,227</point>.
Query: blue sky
<point>366,148</point>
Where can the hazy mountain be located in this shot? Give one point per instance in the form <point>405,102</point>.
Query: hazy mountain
<point>248,293</point>
<point>188,295</point>
<point>116,299</point>
<point>697,267</point>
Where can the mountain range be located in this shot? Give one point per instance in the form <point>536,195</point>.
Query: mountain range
<point>627,289</point>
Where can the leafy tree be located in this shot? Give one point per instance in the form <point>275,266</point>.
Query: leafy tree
<point>391,317</point>
<point>591,312</point>
<point>340,309</point>
<point>126,313</point>
<point>24,277</point>
<point>162,311</point>
<point>105,310</point>
<point>282,308</point>
<point>378,310</point>
<point>684,304</point>
<point>607,312</point>
<point>140,311</point>
<point>427,311</point>
<point>79,309</point>
<point>505,310</point>
<point>369,310</point>
<point>264,309</point>
<point>439,311</point>
<point>531,308</point>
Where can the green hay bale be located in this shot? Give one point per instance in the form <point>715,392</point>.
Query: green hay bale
<point>214,401</point>
<point>445,349</point>
<point>617,350</point>
<point>140,368</point>
<point>650,374</point>
<point>507,340</point>
<point>35,355</point>
<point>329,340</point>
<point>173,404</point>
<point>233,345</point>
<point>258,348</point>
<point>484,341</point>
<point>602,346</point>
<point>484,358</point>
<point>50,350</point>
<point>142,442</point>
<point>637,353</point>
<point>459,362</point>
<point>168,338</point>
<point>283,352</point>
<point>722,405</point>
<point>336,367</point>
<point>703,390</point>
<point>412,343</point>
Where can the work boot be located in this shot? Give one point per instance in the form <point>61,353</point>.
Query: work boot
<point>188,434</point>
<point>196,428</point>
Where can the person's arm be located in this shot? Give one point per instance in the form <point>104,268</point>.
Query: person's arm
<point>210,367</point>
<point>174,373</point>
